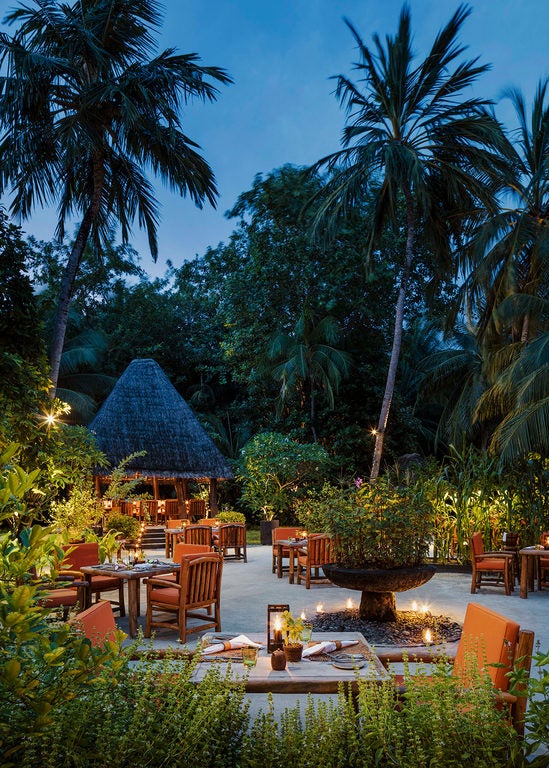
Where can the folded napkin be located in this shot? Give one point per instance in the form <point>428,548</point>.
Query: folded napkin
<point>230,645</point>
<point>327,647</point>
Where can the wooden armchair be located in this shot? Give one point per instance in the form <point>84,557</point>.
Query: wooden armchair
<point>280,534</point>
<point>495,568</point>
<point>311,559</point>
<point>79,555</point>
<point>65,593</point>
<point>232,536</point>
<point>198,534</point>
<point>490,644</point>
<point>197,592</point>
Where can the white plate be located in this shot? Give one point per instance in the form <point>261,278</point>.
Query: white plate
<point>351,664</point>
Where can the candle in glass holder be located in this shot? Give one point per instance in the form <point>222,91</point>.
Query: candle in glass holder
<point>277,633</point>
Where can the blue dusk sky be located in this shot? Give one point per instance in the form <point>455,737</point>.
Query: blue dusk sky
<point>281,109</point>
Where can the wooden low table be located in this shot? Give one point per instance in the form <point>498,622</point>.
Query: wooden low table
<point>306,676</point>
<point>133,576</point>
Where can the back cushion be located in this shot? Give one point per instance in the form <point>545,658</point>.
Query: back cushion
<point>96,623</point>
<point>82,554</point>
<point>489,638</point>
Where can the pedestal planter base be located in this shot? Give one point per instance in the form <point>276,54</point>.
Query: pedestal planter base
<point>377,586</point>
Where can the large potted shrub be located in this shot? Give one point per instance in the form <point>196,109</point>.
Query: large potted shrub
<point>381,535</point>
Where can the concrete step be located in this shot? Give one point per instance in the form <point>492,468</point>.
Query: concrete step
<point>153,538</point>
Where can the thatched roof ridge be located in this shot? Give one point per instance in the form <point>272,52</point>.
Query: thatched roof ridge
<point>144,412</point>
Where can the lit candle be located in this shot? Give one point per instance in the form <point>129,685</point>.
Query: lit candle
<point>303,616</point>
<point>424,608</point>
<point>277,634</point>
<point>319,608</point>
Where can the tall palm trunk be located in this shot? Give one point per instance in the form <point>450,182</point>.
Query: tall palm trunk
<point>69,276</point>
<point>397,337</point>
<point>65,298</point>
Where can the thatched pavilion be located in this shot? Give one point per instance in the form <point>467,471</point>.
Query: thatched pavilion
<point>144,412</point>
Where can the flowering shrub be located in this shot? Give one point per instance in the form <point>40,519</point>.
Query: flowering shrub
<point>377,526</point>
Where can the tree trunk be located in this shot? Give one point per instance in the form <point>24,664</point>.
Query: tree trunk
<point>397,338</point>
<point>65,298</point>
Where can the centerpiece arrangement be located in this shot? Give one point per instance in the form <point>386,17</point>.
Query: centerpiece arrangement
<point>292,633</point>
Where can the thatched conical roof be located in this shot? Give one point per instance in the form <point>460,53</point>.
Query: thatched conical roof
<point>144,412</point>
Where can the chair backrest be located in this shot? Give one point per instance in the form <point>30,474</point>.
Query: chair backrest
<point>189,550</point>
<point>96,623</point>
<point>319,546</point>
<point>198,534</point>
<point>284,532</point>
<point>175,523</point>
<point>232,535</point>
<point>196,507</point>
<point>78,555</point>
<point>200,579</point>
<point>487,638</point>
<point>477,544</point>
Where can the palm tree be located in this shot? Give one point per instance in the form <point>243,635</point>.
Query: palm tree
<point>411,131</point>
<point>87,112</point>
<point>510,252</point>
<point>308,362</point>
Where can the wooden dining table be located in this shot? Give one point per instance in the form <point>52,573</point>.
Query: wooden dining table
<point>133,576</point>
<point>309,675</point>
<point>529,557</point>
<point>293,545</point>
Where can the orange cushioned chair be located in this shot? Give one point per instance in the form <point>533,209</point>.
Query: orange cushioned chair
<point>79,555</point>
<point>490,644</point>
<point>232,536</point>
<point>281,534</point>
<point>543,563</point>
<point>182,550</point>
<point>198,534</point>
<point>311,559</point>
<point>96,623</point>
<point>495,568</point>
<point>196,595</point>
<point>71,593</point>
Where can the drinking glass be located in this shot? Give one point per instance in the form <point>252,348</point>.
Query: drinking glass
<point>206,640</point>
<point>249,657</point>
<point>306,632</point>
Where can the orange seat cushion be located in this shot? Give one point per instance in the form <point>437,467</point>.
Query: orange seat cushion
<point>165,595</point>
<point>490,638</point>
<point>59,597</point>
<point>490,565</point>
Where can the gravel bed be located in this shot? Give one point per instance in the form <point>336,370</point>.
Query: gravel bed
<point>407,630</point>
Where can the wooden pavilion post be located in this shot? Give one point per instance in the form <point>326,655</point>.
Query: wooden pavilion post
<point>213,496</point>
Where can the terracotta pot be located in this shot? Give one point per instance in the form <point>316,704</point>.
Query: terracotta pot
<point>293,651</point>
<point>278,660</point>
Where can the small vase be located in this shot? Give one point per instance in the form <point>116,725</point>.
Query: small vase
<point>293,651</point>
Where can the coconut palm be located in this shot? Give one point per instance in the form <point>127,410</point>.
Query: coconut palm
<point>87,112</point>
<point>412,132</point>
<point>308,362</point>
<point>510,253</point>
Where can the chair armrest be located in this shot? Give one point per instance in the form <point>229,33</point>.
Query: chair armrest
<point>495,556</point>
<point>73,574</point>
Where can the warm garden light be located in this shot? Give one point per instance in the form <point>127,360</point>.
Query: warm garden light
<point>427,636</point>
<point>424,609</point>
<point>350,603</point>
<point>274,626</point>
<point>414,605</point>
<point>320,607</point>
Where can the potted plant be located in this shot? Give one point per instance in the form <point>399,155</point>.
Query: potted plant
<point>381,535</point>
<point>292,629</point>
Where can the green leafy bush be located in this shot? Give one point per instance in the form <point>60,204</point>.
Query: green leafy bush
<point>231,516</point>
